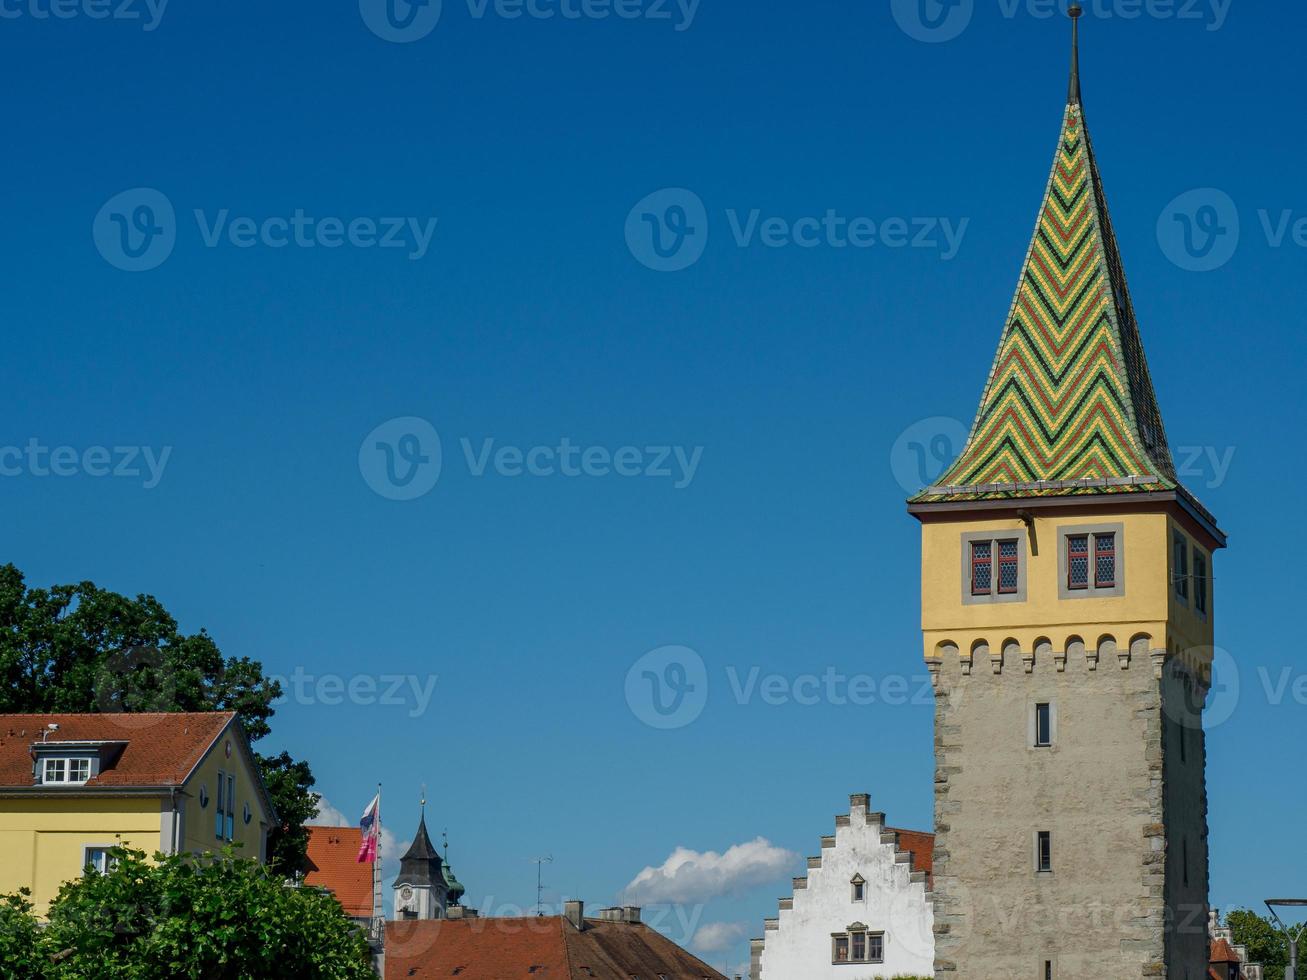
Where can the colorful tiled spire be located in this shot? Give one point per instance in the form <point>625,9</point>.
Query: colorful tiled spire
<point>1069,407</point>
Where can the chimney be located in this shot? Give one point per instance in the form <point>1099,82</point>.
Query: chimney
<point>631,914</point>
<point>574,912</point>
<point>610,915</point>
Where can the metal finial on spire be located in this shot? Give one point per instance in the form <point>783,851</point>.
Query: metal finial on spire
<point>1075,12</point>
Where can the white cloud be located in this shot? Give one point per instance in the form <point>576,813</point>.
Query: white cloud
<point>392,848</point>
<point>716,937</point>
<point>328,816</point>
<point>691,876</point>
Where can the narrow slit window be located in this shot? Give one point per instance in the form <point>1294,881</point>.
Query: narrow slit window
<point>1200,582</point>
<point>1043,725</point>
<point>1104,561</point>
<point>1044,852</point>
<point>982,567</point>
<point>1009,567</point>
<point>1078,561</point>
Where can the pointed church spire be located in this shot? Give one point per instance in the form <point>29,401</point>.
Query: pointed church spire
<point>1069,408</point>
<point>1075,12</point>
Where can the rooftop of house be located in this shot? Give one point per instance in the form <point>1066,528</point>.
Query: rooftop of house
<point>333,864</point>
<point>154,751</point>
<point>920,845</point>
<point>547,948</point>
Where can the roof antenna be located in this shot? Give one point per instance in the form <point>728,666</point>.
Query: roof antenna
<point>1075,12</point>
<point>540,862</point>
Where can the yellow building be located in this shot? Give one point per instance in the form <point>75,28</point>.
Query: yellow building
<point>1067,614</point>
<point>74,786</point>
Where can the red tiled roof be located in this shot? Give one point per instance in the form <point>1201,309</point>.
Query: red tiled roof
<point>544,948</point>
<point>334,865</point>
<point>161,749</point>
<point>1222,952</point>
<point>922,847</point>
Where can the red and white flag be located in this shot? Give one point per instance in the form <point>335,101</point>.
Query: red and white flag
<point>370,824</point>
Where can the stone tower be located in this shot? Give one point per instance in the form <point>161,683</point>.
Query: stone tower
<point>1067,612</point>
<point>421,890</point>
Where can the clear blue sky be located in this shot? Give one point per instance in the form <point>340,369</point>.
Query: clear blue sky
<point>528,319</point>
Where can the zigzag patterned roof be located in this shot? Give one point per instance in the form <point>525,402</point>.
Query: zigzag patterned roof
<point>1069,407</point>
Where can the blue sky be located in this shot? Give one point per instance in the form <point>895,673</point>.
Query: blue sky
<point>768,391</point>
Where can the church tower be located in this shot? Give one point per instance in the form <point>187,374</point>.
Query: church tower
<point>420,887</point>
<point>1067,614</point>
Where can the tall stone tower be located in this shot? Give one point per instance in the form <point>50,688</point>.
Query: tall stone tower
<point>1067,612</point>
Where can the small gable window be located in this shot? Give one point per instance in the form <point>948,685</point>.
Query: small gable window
<point>859,887</point>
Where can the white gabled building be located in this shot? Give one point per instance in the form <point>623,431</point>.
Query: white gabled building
<point>863,911</point>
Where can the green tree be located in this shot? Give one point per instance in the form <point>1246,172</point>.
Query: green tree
<point>1266,943</point>
<point>211,917</point>
<point>24,948</point>
<point>82,648</point>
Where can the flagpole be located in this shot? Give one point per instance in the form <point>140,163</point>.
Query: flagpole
<point>376,877</point>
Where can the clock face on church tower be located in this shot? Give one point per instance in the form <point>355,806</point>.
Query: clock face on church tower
<point>406,893</point>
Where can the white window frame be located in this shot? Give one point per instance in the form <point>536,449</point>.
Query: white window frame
<point>103,849</point>
<point>58,771</point>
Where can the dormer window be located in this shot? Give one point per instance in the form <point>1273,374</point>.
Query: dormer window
<point>69,771</point>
